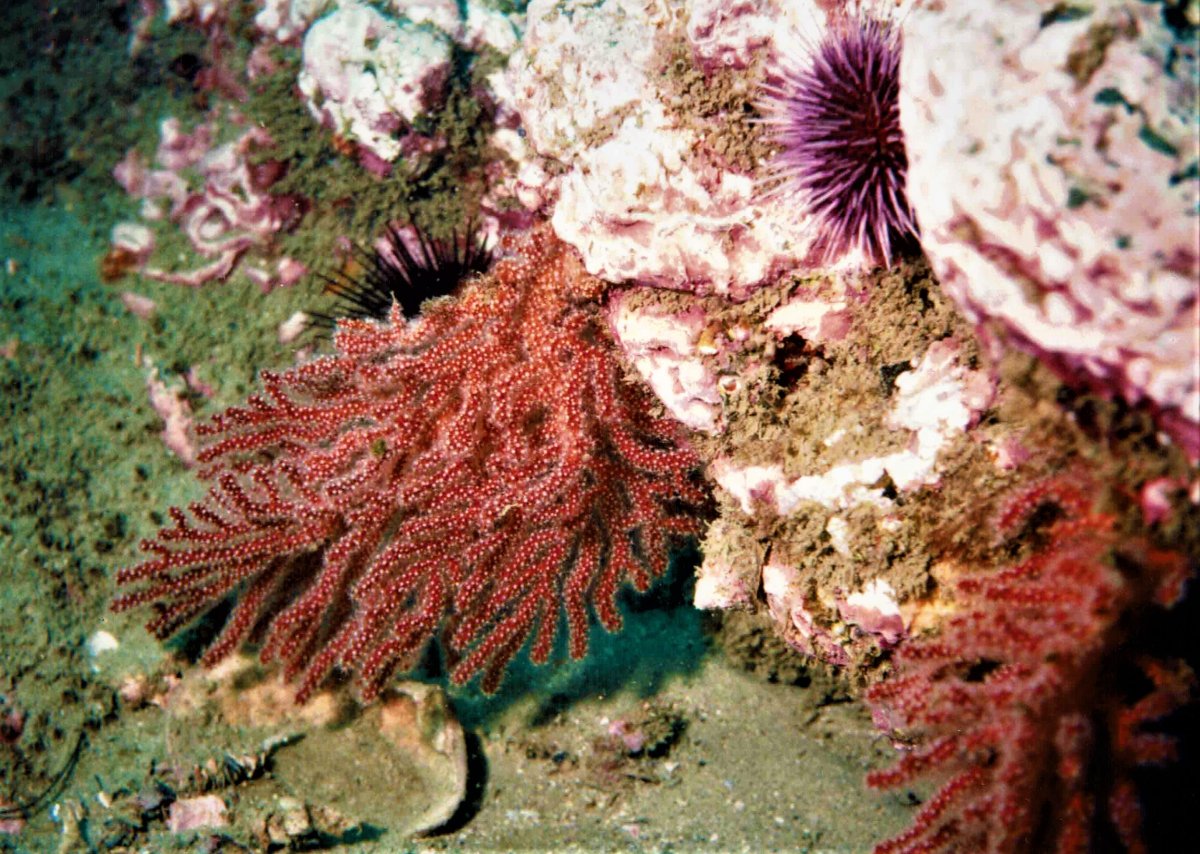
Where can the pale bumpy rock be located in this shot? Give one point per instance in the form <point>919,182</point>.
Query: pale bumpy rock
<point>936,402</point>
<point>201,11</point>
<point>368,76</point>
<point>368,73</point>
<point>1053,168</point>
<point>286,20</point>
<point>665,349</point>
<point>631,184</point>
<point>856,623</point>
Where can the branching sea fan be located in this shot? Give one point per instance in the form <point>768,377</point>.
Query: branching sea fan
<point>835,116</point>
<point>476,472</point>
<point>1022,706</point>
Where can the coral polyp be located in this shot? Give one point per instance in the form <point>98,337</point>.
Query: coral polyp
<point>835,116</point>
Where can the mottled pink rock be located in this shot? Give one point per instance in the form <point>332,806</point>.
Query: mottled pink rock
<point>794,618</point>
<point>632,738</point>
<point>1155,498</point>
<point>1010,453</point>
<point>178,149</point>
<point>1049,157</point>
<point>213,194</point>
<point>196,813</point>
<point>443,14</point>
<point>261,63</point>
<point>172,407</point>
<point>286,20</point>
<point>724,33</point>
<point>935,402</point>
<point>10,826</point>
<point>199,11</point>
<point>286,272</point>
<point>367,76</point>
<point>138,305</point>
<point>293,327</point>
<point>874,611</point>
<point>814,316</point>
<point>487,26</point>
<point>290,271</point>
<point>198,385</point>
<point>631,185</point>
<point>664,348</point>
<point>135,238</point>
<point>731,573</point>
<point>723,585</point>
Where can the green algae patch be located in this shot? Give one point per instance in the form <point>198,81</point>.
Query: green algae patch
<point>439,190</point>
<point>719,106</point>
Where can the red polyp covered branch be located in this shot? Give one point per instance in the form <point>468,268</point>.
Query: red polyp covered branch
<point>484,466</point>
<point>1008,704</point>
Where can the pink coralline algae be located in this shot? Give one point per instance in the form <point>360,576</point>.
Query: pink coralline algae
<point>286,20</point>
<point>172,407</point>
<point>478,470</point>
<point>367,76</point>
<point>666,350</point>
<point>222,203</point>
<point>626,172</point>
<point>202,811</point>
<point>1013,703</point>
<point>870,617</point>
<point>937,402</point>
<point>726,34</point>
<point>1053,154</point>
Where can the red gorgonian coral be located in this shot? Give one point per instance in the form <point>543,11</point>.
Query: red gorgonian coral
<point>1011,704</point>
<point>479,470</point>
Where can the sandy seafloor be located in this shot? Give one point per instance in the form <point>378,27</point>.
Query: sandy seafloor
<point>747,764</point>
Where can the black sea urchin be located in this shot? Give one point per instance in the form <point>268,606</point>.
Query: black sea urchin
<point>406,271</point>
<point>836,119</point>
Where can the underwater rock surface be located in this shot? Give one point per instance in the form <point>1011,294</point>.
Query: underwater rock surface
<point>947,493</point>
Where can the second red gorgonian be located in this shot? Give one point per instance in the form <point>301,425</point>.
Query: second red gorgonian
<point>1020,705</point>
<point>475,472</point>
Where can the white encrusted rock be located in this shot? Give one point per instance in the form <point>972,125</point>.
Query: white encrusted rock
<point>368,76</point>
<point>286,20</point>
<point>1052,165</point>
<point>936,403</point>
<point>663,348</point>
<point>724,33</point>
<point>632,186</point>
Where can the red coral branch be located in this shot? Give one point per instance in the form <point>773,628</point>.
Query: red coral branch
<point>483,467</point>
<point>1008,703</point>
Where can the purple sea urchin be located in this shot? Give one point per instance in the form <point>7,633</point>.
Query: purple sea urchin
<point>836,118</point>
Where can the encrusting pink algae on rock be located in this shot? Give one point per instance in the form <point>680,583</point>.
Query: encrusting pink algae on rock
<point>1053,171</point>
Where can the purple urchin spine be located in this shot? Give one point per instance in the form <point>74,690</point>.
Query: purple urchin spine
<point>836,119</point>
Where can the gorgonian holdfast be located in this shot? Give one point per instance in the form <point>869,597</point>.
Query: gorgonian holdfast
<point>835,116</point>
<point>475,472</point>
